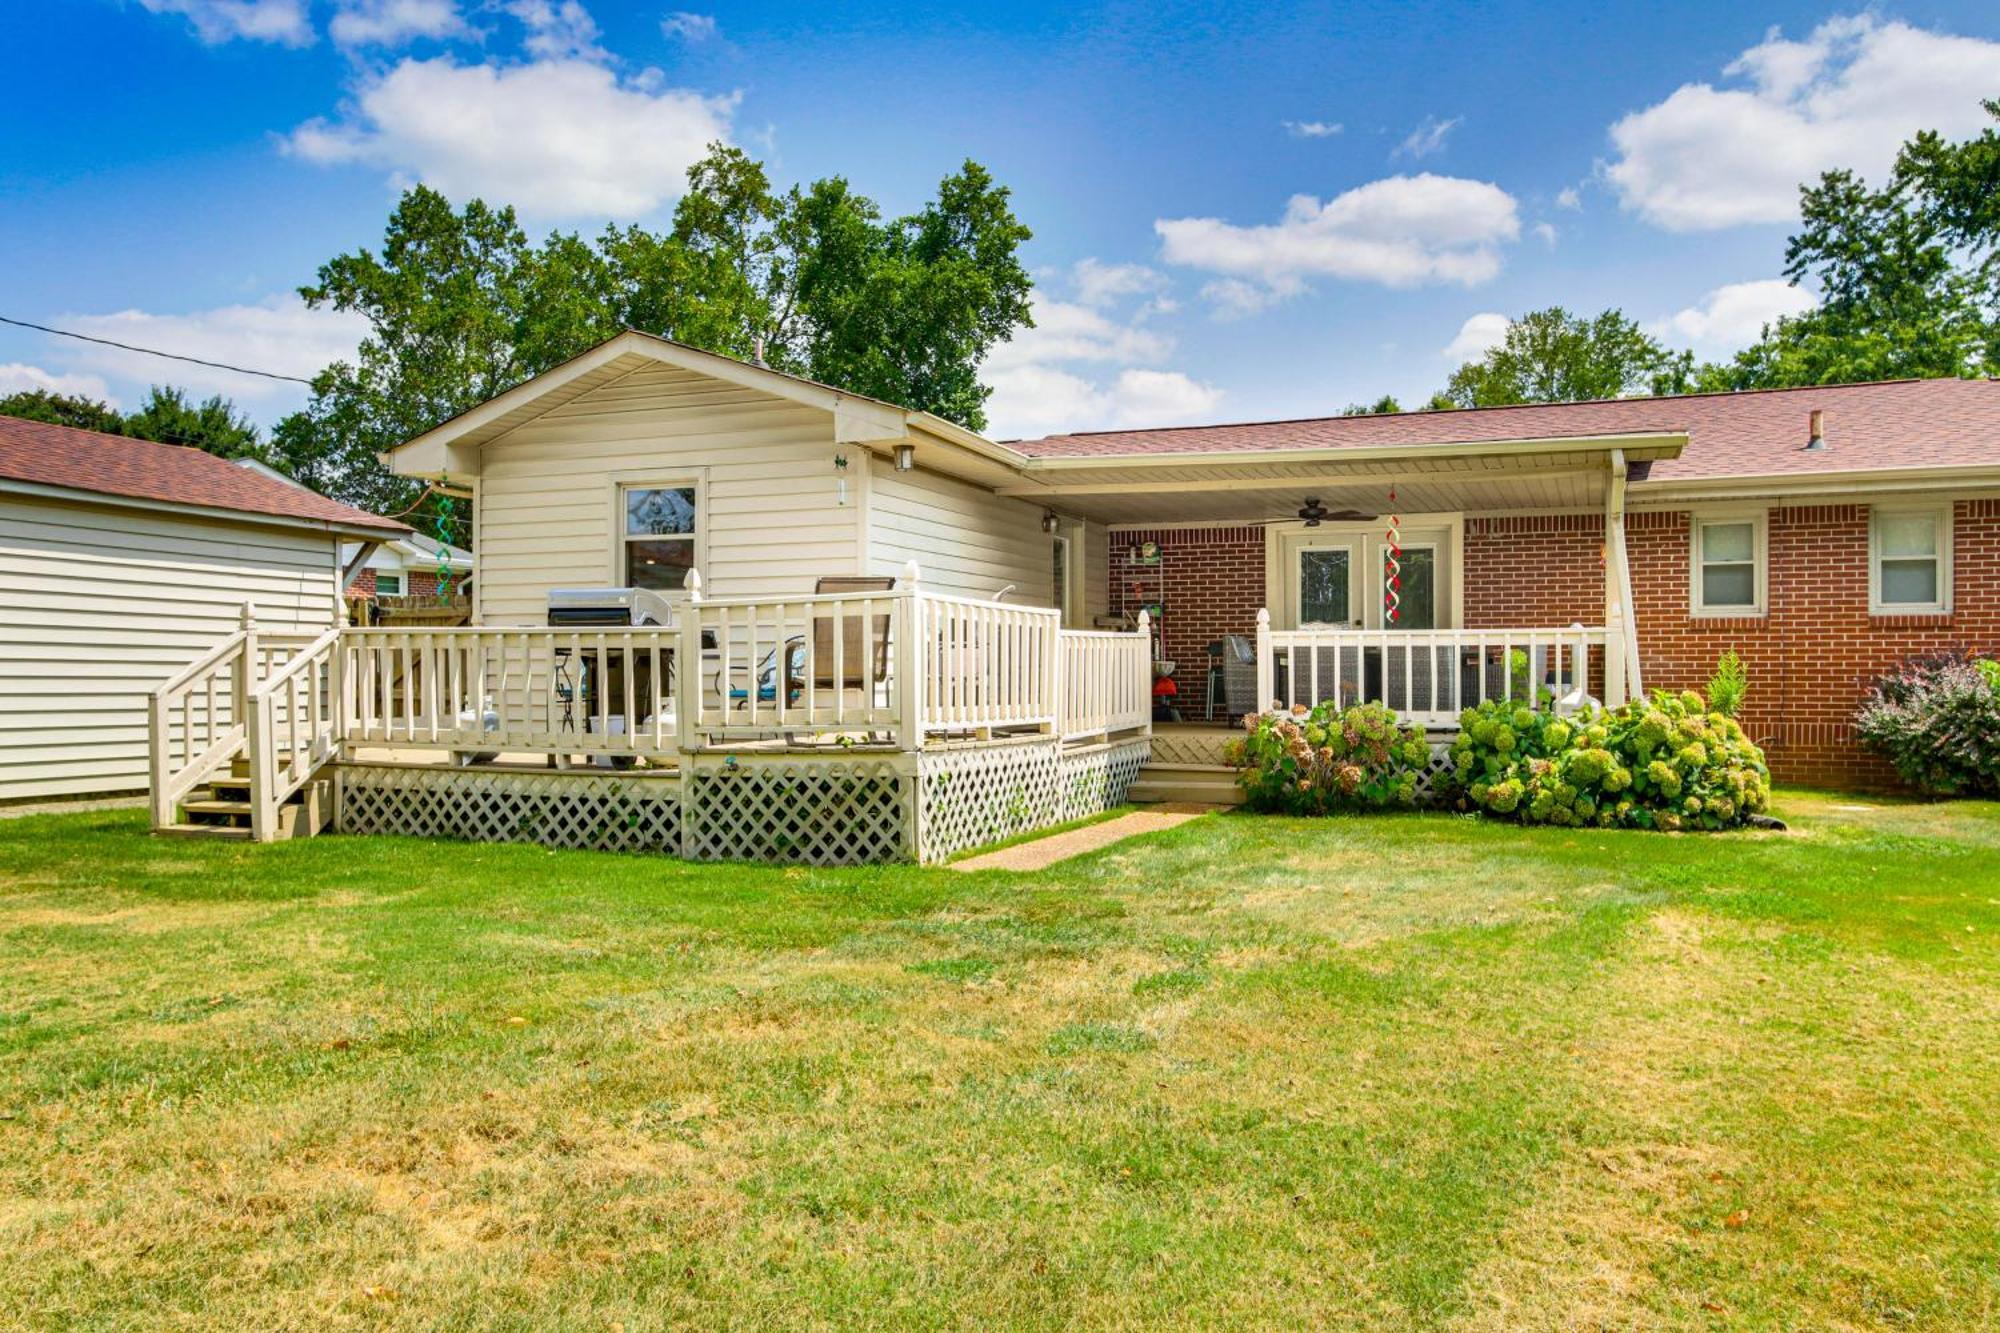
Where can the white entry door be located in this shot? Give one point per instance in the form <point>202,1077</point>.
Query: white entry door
<point>1337,576</point>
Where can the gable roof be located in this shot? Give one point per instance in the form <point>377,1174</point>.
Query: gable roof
<point>66,458</point>
<point>1893,425</point>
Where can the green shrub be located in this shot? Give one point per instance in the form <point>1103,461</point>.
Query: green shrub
<point>1728,685</point>
<point>1327,760</point>
<point>1664,763</point>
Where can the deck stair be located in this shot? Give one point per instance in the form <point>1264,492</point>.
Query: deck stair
<point>1200,784</point>
<point>220,808</point>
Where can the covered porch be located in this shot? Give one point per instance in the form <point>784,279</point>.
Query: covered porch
<point>1429,578</point>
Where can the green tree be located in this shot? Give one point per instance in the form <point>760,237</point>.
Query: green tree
<point>1908,274</point>
<point>1386,405</point>
<point>462,306</point>
<point>63,409</point>
<point>1552,356</point>
<point>171,416</point>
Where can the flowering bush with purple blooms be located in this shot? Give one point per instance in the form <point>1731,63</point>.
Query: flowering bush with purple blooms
<point>1328,760</point>
<point>1936,719</point>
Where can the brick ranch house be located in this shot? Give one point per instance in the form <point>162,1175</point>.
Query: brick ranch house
<point>882,635</point>
<point>1820,533</point>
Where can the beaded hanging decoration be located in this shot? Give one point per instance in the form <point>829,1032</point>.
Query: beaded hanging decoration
<point>1392,565</point>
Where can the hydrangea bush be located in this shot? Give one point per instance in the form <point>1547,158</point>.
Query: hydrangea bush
<point>1666,762</point>
<point>1327,760</point>
<point>1937,721</point>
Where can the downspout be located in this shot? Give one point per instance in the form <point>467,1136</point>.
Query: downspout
<point>1619,611</point>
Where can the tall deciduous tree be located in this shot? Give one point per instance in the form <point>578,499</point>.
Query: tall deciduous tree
<point>1552,356</point>
<point>462,305</point>
<point>63,409</point>
<point>171,415</point>
<point>1908,274</point>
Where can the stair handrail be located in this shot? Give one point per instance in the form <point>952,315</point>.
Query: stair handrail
<point>220,744</point>
<point>274,776</point>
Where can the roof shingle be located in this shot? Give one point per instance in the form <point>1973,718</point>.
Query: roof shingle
<point>86,460</point>
<point>1897,424</point>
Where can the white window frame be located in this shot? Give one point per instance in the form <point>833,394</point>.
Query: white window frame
<point>1944,514</point>
<point>1356,587</point>
<point>621,541</point>
<point>1380,566</point>
<point>402,583</point>
<point>1760,563</point>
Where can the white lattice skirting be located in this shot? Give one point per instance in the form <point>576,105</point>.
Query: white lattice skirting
<point>796,809</point>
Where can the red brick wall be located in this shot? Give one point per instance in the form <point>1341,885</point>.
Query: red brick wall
<point>1532,570</point>
<point>418,583</point>
<point>1210,582</point>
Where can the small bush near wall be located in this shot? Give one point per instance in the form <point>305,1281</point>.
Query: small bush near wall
<point>1659,763</point>
<point>1937,721</point>
<point>1329,760</point>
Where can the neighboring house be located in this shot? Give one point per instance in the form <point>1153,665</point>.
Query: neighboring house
<point>408,567</point>
<point>122,561</point>
<point>802,708</point>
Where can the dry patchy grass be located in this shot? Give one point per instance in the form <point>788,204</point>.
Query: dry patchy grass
<point>1398,1072</point>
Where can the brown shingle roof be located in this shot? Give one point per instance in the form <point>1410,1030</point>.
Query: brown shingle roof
<point>85,460</point>
<point>1899,424</point>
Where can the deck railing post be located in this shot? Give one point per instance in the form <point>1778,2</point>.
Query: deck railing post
<point>1267,676</point>
<point>1146,667</point>
<point>906,676</point>
<point>687,671</point>
<point>246,668</point>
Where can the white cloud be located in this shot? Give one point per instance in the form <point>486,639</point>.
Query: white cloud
<point>393,22</point>
<point>16,377</point>
<point>1312,129</point>
<point>1087,366</point>
<point>558,30</point>
<point>1545,233</point>
<point>281,21</point>
<point>554,138</point>
<point>690,27</point>
<point>1100,284</point>
<point>1568,198</point>
<point>1734,316</point>
<point>1846,96</point>
<point>1476,337</point>
<point>281,335</point>
<point>1428,137</point>
<point>1403,231</point>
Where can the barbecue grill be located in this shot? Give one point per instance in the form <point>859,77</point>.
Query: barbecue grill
<point>573,608</point>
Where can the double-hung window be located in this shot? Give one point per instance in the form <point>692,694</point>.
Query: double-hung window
<point>1728,565</point>
<point>659,537</point>
<point>1909,565</point>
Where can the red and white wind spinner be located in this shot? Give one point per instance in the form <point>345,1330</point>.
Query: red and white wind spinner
<point>1392,565</point>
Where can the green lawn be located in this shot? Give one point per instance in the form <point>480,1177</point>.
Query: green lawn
<point>1399,1071</point>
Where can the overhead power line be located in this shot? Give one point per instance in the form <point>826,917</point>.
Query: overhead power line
<point>154,351</point>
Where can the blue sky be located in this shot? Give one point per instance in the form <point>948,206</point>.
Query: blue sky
<point>1238,213</point>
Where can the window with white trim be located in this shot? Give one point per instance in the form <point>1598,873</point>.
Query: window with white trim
<point>1728,565</point>
<point>659,536</point>
<point>1909,565</point>
<point>388,585</point>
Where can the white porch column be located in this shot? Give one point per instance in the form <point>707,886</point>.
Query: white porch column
<point>687,671</point>
<point>1267,676</point>
<point>907,673</point>
<point>1621,646</point>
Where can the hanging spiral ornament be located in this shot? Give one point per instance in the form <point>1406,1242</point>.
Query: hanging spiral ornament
<point>441,529</point>
<point>1392,565</point>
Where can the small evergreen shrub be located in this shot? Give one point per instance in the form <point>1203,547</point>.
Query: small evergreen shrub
<point>1937,721</point>
<point>1662,763</point>
<point>1328,760</point>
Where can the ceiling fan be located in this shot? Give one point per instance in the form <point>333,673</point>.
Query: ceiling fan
<point>1314,513</point>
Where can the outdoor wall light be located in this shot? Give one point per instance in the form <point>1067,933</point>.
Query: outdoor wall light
<point>1049,524</point>
<point>906,457</point>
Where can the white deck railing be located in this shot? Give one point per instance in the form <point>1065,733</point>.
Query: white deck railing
<point>292,728</point>
<point>1430,676</point>
<point>1106,681</point>
<point>486,690</point>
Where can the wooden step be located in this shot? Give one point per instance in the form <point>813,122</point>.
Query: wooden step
<point>213,805</point>
<point>228,832</point>
<point>1206,784</point>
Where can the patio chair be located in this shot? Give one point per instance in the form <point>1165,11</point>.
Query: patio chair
<point>1239,677</point>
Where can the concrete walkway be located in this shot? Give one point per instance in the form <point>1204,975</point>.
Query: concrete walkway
<point>1044,852</point>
